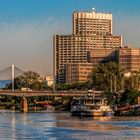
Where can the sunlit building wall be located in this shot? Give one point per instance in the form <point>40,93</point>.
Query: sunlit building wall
<point>129,59</point>
<point>77,72</point>
<point>91,30</point>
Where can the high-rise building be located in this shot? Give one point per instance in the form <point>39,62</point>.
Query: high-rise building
<point>91,30</point>
<point>129,59</point>
<point>91,22</point>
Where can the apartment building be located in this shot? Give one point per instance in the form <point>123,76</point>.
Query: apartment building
<point>102,55</point>
<point>91,30</point>
<point>91,22</point>
<point>77,72</point>
<point>129,59</point>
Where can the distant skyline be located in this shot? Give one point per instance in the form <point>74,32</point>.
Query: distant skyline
<point>27,28</point>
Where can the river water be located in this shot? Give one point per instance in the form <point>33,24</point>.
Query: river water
<point>62,126</point>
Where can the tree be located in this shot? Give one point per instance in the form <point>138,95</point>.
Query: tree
<point>133,81</point>
<point>30,80</point>
<point>107,76</point>
<point>74,86</point>
<point>130,97</point>
<point>110,97</point>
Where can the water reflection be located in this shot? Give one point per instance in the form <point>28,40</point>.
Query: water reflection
<point>43,125</point>
<point>13,123</point>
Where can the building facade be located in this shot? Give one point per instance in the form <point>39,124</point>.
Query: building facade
<point>49,80</point>
<point>77,72</point>
<point>129,59</point>
<point>90,22</point>
<point>91,31</point>
<point>98,56</point>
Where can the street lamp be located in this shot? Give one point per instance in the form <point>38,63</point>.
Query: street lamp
<point>115,88</point>
<point>111,84</point>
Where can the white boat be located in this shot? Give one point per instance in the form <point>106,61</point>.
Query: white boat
<point>90,106</point>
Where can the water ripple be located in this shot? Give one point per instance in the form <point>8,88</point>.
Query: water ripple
<point>61,126</point>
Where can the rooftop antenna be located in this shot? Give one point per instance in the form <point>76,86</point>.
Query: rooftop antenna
<point>93,9</point>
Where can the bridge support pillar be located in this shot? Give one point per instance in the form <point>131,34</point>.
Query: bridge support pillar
<point>24,105</point>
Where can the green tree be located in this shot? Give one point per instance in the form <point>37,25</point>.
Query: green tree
<point>105,76</point>
<point>130,96</point>
<point>110,97</point>
<point>74,86</point>
<point>30,80</point>
<point>133,81</point>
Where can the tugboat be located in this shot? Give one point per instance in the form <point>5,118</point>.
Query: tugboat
<point>90,106</point>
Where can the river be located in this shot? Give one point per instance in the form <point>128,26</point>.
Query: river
<point>62,126</point>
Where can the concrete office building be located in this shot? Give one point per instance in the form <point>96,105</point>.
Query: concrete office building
<point>91,30</point>
<point>92,22</point>
<point>77,72</point>
<point>129,59</point>
<point>100,55</point>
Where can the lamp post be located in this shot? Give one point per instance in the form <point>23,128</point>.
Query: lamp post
<point>115,85</point>
<point>132,81</point>
<point>111,84</point>
<point>122,83</point>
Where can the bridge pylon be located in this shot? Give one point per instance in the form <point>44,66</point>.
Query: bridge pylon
<point>10,74</point>
<point>24,105</point>
<point>13,76</point>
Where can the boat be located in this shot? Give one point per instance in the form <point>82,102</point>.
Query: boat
<point>128,110</point>
<point>90,106</point>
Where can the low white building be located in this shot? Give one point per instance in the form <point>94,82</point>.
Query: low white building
<point>49,80</point>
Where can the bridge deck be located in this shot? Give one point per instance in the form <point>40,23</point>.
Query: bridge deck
<point>43,93</point>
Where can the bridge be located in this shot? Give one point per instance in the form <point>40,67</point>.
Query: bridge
<point>20,93</point>
<point>25,94</point>
<point>12,72</point>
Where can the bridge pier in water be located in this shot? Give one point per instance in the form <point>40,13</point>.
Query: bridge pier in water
<point>24,105</point>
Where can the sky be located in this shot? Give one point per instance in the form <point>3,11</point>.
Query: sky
<point>27,28</point>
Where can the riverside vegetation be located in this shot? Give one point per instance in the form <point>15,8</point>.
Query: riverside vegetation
<point>109,77</point>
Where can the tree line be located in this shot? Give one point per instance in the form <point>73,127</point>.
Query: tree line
<point>119,87</point>
<point>109,77</point>
<point>31,80</point>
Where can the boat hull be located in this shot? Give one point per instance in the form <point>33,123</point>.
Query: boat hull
<point>93,113</point>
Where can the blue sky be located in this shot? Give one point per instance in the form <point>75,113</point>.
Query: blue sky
<point>26,9</point>
<point>27,27</point>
